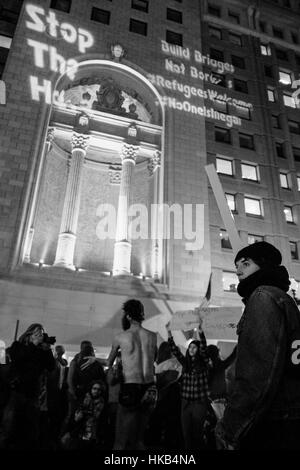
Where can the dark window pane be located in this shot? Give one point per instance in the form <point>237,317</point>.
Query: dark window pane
<point>141,5</point>
<point>281,54</point>
<point>246,141</point>
<point>138,27</point>
<point>220,79</point>
<point>234,17</point>
<point>3,56</point>
<point>174,38</point>
<point>216,54</point>
<point>214,10</point>
<point>174,15</point>
<point>275,121</point>
<point>61,5</point>
<point>235,39</point>
<point>268,71</point>
<point>102,16</point>
<point>215,32</point>
<point>280,150</point>
<point>240,85</point>
<point>238,61</point>
<point>278,33</point>
<point>294,250</point>
<point>296,153</point>
<point>222,135</point>
<point>294,127</point>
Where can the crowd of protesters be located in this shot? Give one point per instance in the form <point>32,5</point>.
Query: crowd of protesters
<point>142,397</point>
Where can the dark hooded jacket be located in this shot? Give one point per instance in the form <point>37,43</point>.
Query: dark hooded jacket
<point>267,382</point>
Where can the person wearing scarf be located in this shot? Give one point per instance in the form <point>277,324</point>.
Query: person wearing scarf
<point>263,410</point>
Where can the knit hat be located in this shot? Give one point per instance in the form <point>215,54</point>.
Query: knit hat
<point>262,253</point>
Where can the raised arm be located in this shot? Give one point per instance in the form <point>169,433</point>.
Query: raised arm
<point>174,349</point>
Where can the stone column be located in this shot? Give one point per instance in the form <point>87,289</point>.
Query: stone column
<point>122,251</point>
<point>68,228</point>
<point>153,168</point>
<point>37,195</point>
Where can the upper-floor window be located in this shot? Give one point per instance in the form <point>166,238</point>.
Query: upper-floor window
<point>246,141</point>
<point>238,61</point>
<point>101,16</point>
<point>234,17</point>
<point>230,281</point>
<point>295,38</point>
<point>243,112</point>
<point>288,213</point>
<point>281,54</point>
<point>231,201</point>
<point>289,100</point>
<point>220,79</point>
<point>284,182</point>
<point>224,166</point>
<point>225,242</point>
<point>216,54</point>
<point>240,85</point>
<point>268,71</point>
<point>222,135</point>
<point>285,77</point>
<point>174,38</point>
<point>214,10</point>
<point>235,38</point>
<point>253,206</point>
<point>275,121</point>
<point>141,5</point>
<point>265,49</point>
<point>139,27</point>
<point>294,127</point>
<point>254,238</point>
<point>215,32</point>
<point>294,250</point>
<point>280,152</point>
<point>271,94</point>
<point>249,172</point>
<point>3,57</point>
<point>277,33</point>
<point>174,15</point>
<point>61,5</point>
<point>262,26</point>
<point>296,153</point>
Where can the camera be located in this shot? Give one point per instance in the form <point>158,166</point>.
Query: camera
<point>49,339</point>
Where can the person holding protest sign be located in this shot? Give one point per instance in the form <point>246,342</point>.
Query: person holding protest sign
<point>263,410</point>
<point>194,388</point>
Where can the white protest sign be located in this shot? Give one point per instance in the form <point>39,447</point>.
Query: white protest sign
<point>215,320</point>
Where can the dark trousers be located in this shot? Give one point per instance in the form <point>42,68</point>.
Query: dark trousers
<point>193,414</point>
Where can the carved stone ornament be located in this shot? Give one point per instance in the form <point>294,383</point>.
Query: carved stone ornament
<point>115,174</point>
<point>79,141</point>
<point>154,163</point>
<point>117,52</point>
<point>132,131</point>
<point>109,98</point>
<point>129,152</point>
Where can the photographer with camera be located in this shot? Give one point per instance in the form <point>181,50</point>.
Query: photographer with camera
<point>31,357</point>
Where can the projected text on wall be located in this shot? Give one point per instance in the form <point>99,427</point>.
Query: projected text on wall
<point>179,63</point>
<point>46,56</point>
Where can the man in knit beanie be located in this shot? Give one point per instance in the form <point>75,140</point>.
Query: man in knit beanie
<point>263,410</point>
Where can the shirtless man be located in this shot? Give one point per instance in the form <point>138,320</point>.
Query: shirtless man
<point>138,352</point>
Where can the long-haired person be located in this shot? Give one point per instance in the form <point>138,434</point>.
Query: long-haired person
<point>194,388</point>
